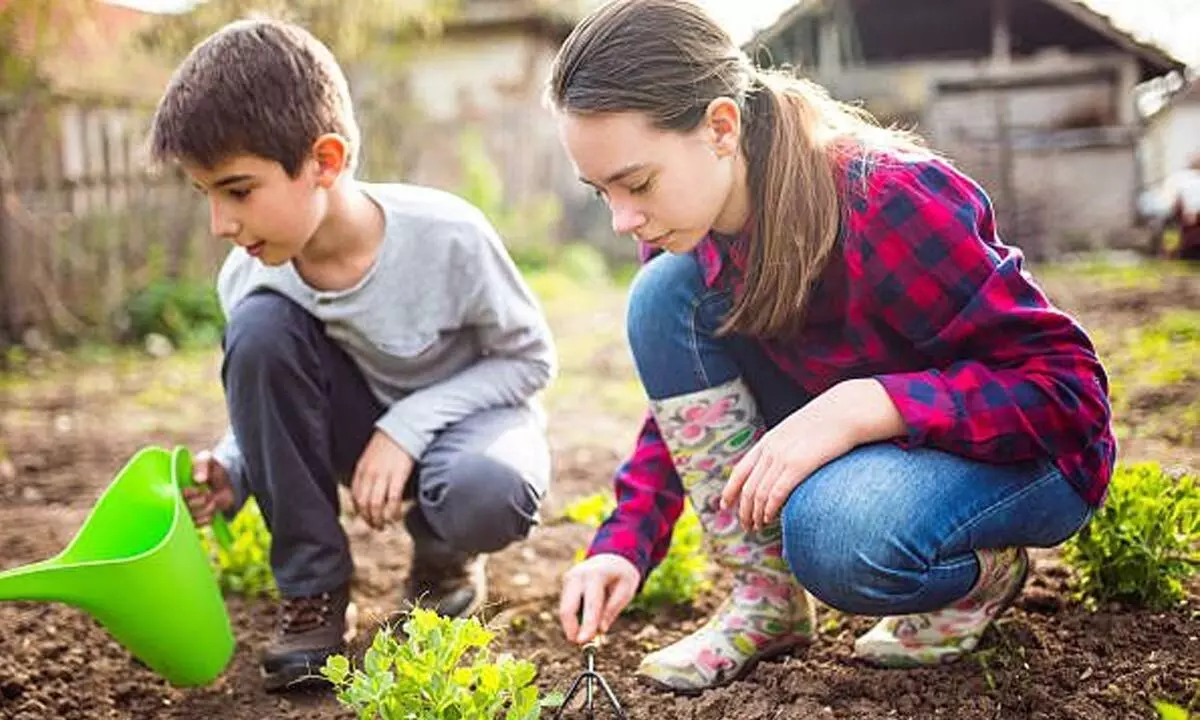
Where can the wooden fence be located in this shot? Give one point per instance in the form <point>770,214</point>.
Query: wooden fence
<point>84,223</point>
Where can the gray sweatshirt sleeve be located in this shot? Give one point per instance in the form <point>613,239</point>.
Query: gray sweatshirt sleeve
<point>518,352</point>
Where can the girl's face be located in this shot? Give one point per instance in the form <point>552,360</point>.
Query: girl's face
<point>667,189</point>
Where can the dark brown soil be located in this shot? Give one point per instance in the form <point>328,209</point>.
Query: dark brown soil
<point>1049,658</point>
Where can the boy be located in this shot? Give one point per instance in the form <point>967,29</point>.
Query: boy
<point>377,334</point>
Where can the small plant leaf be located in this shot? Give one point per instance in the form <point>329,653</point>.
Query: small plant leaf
<point>1168,711</point>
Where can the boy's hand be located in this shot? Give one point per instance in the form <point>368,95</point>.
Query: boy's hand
<point>213,490</point>
<point>379,480</point>
<point>594,593</point>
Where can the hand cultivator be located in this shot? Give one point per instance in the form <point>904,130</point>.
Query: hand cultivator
<point>587,680</point>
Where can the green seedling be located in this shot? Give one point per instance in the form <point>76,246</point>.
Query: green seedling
<point>682,574</point>
<point>592,510</point>
<point>1144,544</point>
<point>243,565</point>
<point>443,670</point>
<point>1170,711</point>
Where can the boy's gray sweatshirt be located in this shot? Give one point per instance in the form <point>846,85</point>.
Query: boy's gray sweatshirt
<point>442,325</point>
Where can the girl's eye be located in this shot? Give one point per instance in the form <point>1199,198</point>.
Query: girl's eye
<point>641,189</point>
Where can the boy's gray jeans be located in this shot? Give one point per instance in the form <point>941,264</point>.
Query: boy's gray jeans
<point>302,414</point>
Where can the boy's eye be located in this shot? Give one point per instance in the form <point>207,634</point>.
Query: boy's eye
<point>240,193</point>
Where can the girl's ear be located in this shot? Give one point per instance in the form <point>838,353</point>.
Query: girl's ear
<point>724,119</point>
<point>332,153</point>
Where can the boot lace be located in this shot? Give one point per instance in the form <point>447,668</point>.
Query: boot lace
<point>302,614</point>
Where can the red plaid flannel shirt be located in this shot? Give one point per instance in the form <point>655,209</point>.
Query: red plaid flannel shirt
<point>921,295</point>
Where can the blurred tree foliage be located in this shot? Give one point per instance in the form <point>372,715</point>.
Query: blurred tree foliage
<point>31,30</point>
<point>371,40</point>
<point>357,31</point>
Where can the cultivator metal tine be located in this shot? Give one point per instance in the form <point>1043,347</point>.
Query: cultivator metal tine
<point>588,679</point>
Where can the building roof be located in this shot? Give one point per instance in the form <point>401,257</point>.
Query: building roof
<point>1154,60</point>
<point>1147,51</point>
<point>554,20</point>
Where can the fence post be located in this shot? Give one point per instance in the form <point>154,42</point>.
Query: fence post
<point>8,300</point>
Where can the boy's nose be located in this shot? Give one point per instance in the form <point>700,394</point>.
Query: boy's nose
<point>221,224</point>
<point>626,219</point>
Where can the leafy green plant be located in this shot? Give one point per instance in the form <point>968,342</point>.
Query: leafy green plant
<point>682,574</point>
<point>245,568</point>
<point>1169,711</point>
<point>442,671</point>
<point>528,228</point>
<point>591,510</point>
<point>187,313</point>
<point>1144,544</point>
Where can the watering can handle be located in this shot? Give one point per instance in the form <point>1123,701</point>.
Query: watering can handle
<point>183,474</point>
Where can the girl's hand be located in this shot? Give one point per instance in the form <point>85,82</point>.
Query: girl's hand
<point>847,415</point>
<point>602,585</point>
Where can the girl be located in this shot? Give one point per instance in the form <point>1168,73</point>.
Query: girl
<point>861,391</point>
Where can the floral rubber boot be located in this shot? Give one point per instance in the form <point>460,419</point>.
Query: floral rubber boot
<point>768,613</point>
<point>945,635</point>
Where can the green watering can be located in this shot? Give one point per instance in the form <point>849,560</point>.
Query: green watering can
<point>137,566</point>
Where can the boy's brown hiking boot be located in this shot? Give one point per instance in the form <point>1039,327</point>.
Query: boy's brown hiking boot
<point>447,581</point>
<point>310,630</point>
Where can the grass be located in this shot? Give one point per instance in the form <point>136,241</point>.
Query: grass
<point>1151,370</point>
<point>1107,274</point>
<point>587,319</point>
<point>585,305</point>
<point>182,393</point>
<point>1150,345</point>
<point>107,386</point>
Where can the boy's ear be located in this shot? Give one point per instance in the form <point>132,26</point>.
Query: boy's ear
<point>332,153</point>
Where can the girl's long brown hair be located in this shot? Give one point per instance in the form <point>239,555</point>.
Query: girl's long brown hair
<point>669,60</point>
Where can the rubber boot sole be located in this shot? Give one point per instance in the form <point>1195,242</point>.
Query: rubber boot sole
<point>771,654</point>
<point>900,662</point>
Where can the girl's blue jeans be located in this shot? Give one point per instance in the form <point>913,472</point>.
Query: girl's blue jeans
<point>881,530</point>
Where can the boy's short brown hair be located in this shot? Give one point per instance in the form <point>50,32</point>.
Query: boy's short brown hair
<point>256,86</point>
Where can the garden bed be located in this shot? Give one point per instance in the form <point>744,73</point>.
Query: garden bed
<point>1048,658</point>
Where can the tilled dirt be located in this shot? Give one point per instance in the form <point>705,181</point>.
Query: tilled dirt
<point>1049,658</point>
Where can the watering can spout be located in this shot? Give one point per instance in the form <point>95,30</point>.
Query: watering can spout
<point>37,582</point>
<point>138,568</point>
